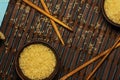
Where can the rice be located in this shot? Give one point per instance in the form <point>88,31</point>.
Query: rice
<point>112,9</point>
<point>2,37</point>
<point>37,61</point>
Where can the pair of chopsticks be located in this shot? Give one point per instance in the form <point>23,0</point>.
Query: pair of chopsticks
<point>103,59</point>
<point>52,19</point>
<point>105,54</point>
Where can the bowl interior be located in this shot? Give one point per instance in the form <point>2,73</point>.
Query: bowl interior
<point>19,71</point>
<point>106,17</point>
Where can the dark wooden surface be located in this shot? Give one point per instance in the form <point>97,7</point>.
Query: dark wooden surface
<point>92,34</point>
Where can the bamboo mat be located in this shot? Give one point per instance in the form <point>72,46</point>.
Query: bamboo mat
<point>91,35</point>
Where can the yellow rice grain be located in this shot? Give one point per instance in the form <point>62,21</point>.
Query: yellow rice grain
<point>37,61</point>
<point>112,9</point>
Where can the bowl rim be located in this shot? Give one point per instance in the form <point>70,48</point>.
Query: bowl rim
<point>19,71</point>
<point>106,17</point>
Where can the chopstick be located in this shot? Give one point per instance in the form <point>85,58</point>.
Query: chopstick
<point>87,63</point>
<point>47,14</point>
<point>52,22</point>
<point>104,58</point>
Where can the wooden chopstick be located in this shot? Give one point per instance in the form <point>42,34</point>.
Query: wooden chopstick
<point>47,14</point>
<point>104,58</point>
<point>52,22</point>
<point>87,63</point>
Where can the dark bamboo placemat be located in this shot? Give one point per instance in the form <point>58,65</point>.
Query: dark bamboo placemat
<point>92,34</point>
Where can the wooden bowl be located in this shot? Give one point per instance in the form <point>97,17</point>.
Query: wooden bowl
<point>19,71</point>
<point>106,17</point>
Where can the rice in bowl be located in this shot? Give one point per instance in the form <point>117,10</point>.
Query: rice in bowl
<point>112,10</point>
<point>37,61</point>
